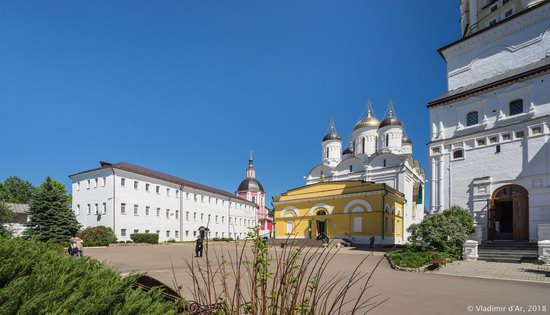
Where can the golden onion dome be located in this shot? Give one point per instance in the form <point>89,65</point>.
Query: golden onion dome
<point>369,121</point>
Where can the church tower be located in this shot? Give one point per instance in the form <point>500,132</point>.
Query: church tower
<point>390,132</point>
<point>252,190</point>
<point>332,146</point>
<point>365,133</point>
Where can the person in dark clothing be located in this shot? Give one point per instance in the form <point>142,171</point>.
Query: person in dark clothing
<point>198,247</point>
<point>372,242</point>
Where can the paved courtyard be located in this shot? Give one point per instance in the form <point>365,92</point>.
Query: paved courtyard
<point>491,270</point>
<point>408,292</point>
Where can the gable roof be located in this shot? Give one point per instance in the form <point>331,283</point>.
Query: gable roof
<point>132,168</point>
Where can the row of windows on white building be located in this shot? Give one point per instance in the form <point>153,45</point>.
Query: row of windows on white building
<point>100,182</point>
<point>494,140</point>
<point>168,233</point>
<point>103,211</point>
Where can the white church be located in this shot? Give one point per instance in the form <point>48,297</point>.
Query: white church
<point>490,132</point>
<point>380,152</point>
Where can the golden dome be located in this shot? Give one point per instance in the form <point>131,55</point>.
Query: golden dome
<point>369,121</point>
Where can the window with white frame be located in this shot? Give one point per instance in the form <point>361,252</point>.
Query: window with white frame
<point>104,208</point>
<point>289,226</point>
<point>158,212</point>
<point>177,214</point>
<point>157,232</point>
<point>186,215</point>
<point>223,219</point>
<point>481,142</point>
<point>493,140</point>
<point>147,187</point>
<point>202,217</point>
<point>194,216</point>
<point>158,189</point>
<point>136,231</point>
<point>122,232</point>
<point>123,182</point>
<point>78,186</point>
<point>146,231</point>
<point>216,219</point>
<point>136,184</point>
<point>136,209</point>
<point>536,130</point>
<point>167,191</point>
<point>77,209</point>
<point>88,184</point>
<point>515,107</point>
<point>89,209</point>
<point>104,182</point>
<point>122,208</point>
<point>96,182</point>
<point>506,137</point>
<point>147,210</point>
<point>472,118</point>
<point>177,233</point>
<point>177,193</point>
<point>186,233</point>
<point>167,233</point>
<point>167,213</point>
<point>520,134</point>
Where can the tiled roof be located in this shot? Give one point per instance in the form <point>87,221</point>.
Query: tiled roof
<point>132,168</point>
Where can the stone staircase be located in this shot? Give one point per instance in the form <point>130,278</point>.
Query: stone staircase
<point>508,251</point>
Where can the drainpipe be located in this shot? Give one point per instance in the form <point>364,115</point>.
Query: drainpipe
<point>114,200</point>
<point>181,212</point>
<point>384,210</point>
<point>229,218</point>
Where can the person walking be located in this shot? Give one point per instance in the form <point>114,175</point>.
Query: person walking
<point>79,245</point>
<point>73,248</point>
<point>198,247</point>
<point>372,243</point>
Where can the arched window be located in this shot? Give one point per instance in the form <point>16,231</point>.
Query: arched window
<point>471,119</point>
<point>351,169</point>
<point>516,107</point>
<point>327,152</point>
<point>387,140</point>
<point>458,154</point>
<point>363,145</point>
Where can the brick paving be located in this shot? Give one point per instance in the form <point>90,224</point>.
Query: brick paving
<point>497,270</point>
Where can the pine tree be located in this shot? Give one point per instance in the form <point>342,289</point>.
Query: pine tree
<point>51,218</point>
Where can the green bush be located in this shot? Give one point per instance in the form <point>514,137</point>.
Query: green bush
<point>97,236</point>
<point>129,242</point>
<point>38,278</point>
<point>445,231</point>
<point>148,238</point>
<point>414,258</point>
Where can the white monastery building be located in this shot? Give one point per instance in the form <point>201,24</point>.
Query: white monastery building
<point>380,152</point>
<point>133,199</point>
<point>490,132</point>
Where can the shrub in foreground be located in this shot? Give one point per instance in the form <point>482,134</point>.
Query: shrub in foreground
<point>148,238</point>
<point>37,278</point>
<point>445,231</point>
<point>417,258</point>
<point>97,236</point>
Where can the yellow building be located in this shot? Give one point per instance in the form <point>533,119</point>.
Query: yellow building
<point>356,210</point>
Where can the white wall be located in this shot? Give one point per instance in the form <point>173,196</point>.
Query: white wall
<point>176,225</point>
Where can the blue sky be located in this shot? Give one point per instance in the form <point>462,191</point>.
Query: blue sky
<point>189,87</point>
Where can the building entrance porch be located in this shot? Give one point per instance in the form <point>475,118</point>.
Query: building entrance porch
<point>508,214</point>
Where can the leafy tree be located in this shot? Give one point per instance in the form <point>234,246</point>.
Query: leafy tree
<point>5,217</point>
<point>445,231</point>
<point>51,218</point>
<point>16,190</point>
<point>98,236</point>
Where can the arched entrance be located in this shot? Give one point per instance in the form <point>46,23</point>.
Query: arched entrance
<point>508,214</point>
<point>318,226</point>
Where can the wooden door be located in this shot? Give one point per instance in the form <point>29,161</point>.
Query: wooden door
<point>521,218</point>
<point>490,219</point>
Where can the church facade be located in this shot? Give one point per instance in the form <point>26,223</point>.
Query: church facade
<point>378,152</point>
<point>490,132</point>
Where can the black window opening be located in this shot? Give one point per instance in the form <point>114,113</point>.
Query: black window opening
<point>327,153</point>
<point>516,107</point>
<point>497,149</point>
<point>387,140</point>
<point>363,145</point>
<point>458,154</point>
<point>384,162</point>
<point>472,119</point>
<point>351,169</point>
